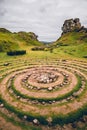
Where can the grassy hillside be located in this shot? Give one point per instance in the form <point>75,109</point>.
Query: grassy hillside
<point>12,41</point>
<point>72,43</point>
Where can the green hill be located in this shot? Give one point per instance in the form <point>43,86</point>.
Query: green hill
<point>12,41</point>
<point>73,40</point>
<point>3,30</point>
<point>72,43</point>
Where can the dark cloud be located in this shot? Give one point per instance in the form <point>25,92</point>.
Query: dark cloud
<point>1,1</point>
<point>44,17</point>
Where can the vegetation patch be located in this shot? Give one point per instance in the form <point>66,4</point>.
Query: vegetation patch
<point>16,52</point>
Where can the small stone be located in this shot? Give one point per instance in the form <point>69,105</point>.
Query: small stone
<point>83,82</point>
<point>25,117</point>
<point>35,102</point>
<point>8,86</point>
<point>61,85</point>
<point>11,91</point>
<point>64,74</point>
<point>54,79</point>
<point>18,97</point>
<point>26,85</point>
<point>49,120</point>
<point>1,77</point>
<point>6,64</point>
<point>51,80</point>
<point>36,122</point>
<point>50,88</point>
<point>74,94</point>
<point>43,103</point>
<point>38,88</point>
<point>48,81</point>
<point>68,99</point>
<point>50,102</point>
<point>2,105</point>
<point>31,87</point>
<point>64,83</point>
<point>13,77</point>
<point>67,75</point>
<point>26,77</point>
<point>54,101</point>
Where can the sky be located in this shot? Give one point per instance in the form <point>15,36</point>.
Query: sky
<point>43,17</point>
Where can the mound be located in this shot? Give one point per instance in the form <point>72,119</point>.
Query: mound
<point>3,30</point>
<point>16,41</point>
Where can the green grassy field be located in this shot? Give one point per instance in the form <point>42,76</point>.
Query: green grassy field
<point>68,54</point>
<point>70,45</point>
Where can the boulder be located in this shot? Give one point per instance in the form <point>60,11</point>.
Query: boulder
<point>71,25</point>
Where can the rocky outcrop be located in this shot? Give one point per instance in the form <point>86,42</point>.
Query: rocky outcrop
<point>33,35</point>
<point>3,30</point>
<point>28,36</point>
<point>71,25</point>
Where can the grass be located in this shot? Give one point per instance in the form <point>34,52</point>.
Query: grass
<point>21,114</point>
<point>58,119</point>
<point>74,47</point>
<point>59,98</point>
<point>19,124</point>
<point>63,52</point>
<point>65,119</point>
<point>10,41</point>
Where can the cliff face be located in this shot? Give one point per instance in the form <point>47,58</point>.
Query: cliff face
<point>71,25</point>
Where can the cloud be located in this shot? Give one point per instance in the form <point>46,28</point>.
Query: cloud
<point>28,1</point>
<point>44,17</point>
<point>1,1</point>
<point>2,10</point>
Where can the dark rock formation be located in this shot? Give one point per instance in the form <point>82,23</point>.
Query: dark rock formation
<point>3,30</point>
<point>33,35</point>
<point>27,36</point>
<point>71,25</point>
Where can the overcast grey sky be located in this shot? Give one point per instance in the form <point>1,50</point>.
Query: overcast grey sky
<point>43,17</point>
